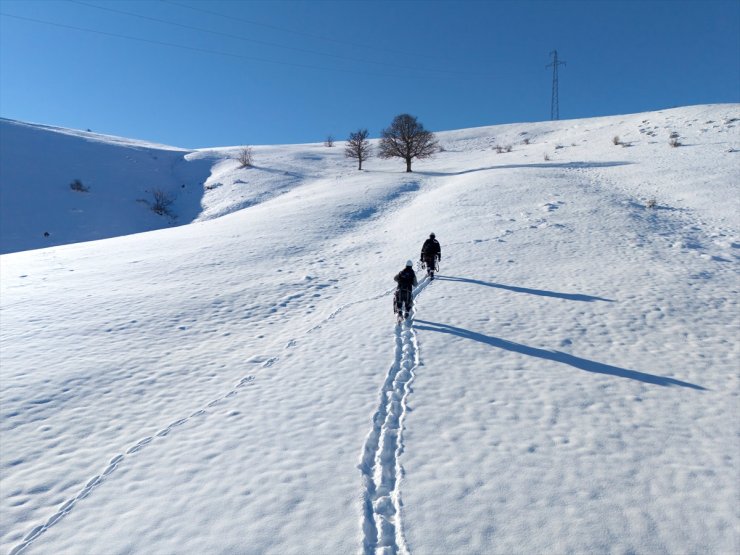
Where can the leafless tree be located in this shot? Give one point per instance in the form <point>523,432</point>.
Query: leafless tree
<point>358,147</point>
<point>162,202</point>
<point>329,142</point>
<point>245,157</point>
<point>406,138</point>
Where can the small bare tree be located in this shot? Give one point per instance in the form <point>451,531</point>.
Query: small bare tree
<point>162,202</point>
<point>358,147</point>
<point>329,141</point>
<point>245,157</point>
<point>406,138</point>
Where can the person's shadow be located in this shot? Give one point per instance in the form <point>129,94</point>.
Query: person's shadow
<point>540,292</point>
<point>555,356</point>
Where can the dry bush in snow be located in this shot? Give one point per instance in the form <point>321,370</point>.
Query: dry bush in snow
<point>245,157</point>
<point>162,202</point>
<point>77,185</point>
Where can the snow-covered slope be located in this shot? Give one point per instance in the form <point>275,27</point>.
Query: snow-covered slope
<point>237,385</point>
<point>116,180</point>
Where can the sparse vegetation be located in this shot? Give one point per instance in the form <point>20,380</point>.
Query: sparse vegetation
<point>77,185</point>
<point>329,142</point>
<point>674,142</point>
<point>527,141</point>
<point>162,202</point>
<point>652,203</point>
<point>616,140</point>
<point>245,157</point>
<point>547,157</point>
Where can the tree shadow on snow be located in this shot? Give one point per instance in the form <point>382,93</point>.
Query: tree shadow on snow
<point>555,356</point>
<point>569,165</point>
<point>540,292</point>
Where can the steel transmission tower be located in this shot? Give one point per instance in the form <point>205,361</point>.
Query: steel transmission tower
<point>554,103</point>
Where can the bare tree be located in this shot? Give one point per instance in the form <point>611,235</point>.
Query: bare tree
<point>245,157</point>
<point>329,142</point>
<point>358,146</point>
<point>406,138</point>
<point>162,202</point>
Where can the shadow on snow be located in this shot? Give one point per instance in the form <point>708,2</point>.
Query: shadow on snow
<point>555,356</point>
<point>541,292</point>
<point>568,165</point>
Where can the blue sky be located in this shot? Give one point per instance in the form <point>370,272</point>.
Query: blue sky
<point>215,73</point>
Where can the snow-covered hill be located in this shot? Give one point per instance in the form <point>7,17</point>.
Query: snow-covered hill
<point>569,384</point>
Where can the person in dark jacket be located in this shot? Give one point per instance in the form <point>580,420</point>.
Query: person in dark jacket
<point>431,252</point>
<point>403,300</point>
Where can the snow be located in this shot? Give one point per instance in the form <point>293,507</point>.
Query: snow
<point>231,379</point>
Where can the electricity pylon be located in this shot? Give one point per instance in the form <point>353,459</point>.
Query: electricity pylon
<point>554,103</point>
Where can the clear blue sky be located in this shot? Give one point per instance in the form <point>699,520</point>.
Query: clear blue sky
<point>196,73</point>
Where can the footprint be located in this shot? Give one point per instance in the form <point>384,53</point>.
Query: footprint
<point>139,445</point>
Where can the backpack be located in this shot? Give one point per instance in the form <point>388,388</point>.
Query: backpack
<point>405,279</point>
<point>430,248</point>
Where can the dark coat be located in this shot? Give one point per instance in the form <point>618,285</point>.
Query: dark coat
<point>406,279</point>
<point>431,250</point>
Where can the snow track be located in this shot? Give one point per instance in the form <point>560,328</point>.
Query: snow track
<point>382,528</point>
<point>94,482</point>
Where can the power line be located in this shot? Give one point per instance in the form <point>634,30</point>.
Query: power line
<point>256,41</point>
<point>196,49</point>
<point>291,31</point>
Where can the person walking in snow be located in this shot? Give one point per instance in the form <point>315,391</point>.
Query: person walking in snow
<point>403,300</point>
<point>431,252</point>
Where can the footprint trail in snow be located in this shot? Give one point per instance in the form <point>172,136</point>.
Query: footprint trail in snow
<point>94,482</point>
<point>380,465</point>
